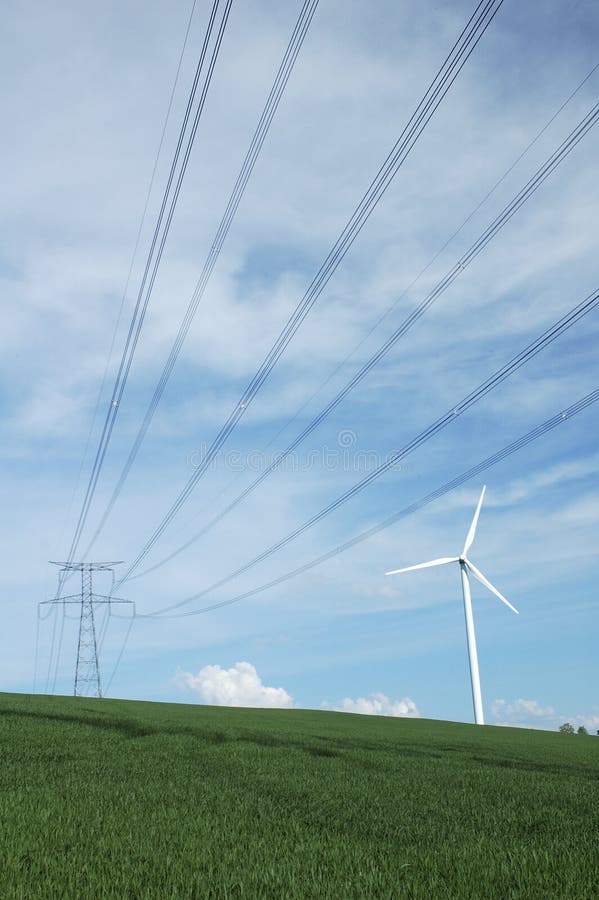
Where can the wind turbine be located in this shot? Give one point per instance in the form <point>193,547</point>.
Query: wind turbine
<point>466,566</point>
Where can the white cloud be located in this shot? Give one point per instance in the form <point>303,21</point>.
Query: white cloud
<point>521,710</point>
<point>239,686</point>
<point>530,714</point>
<point>590,722</point>
<point>378,704</point>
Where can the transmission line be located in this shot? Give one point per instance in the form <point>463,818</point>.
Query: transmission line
<point>373,328</point>
<point>36,651</point>
<point>132,338</point>
<point>123,647</point>
<point>51,654</point>
<point>464,46</point>
<point>477,247</point>
<point>531,350</point>
<point>107,617</point>
<point>147,283</point>
<point>274,98</point>
<point>131,264</point>
<point>59,649</point>
<point>457,482</point>
<point>285,69</point>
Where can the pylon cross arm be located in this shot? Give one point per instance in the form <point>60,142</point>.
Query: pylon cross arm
<point>71,598</point>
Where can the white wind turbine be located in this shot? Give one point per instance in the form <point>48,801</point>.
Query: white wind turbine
<point>467,566</point>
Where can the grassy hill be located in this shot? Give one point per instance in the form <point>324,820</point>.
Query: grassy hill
<point>105,798</point>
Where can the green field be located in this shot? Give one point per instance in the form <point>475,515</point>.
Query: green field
<point>106,798</point>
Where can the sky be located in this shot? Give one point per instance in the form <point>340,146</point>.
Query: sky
<point>84,93</point>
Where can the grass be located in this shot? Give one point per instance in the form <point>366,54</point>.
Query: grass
<point>118,799</point>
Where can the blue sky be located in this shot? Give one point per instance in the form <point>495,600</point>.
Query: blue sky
<point>86,91</point>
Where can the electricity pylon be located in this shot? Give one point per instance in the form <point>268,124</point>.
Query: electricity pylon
<point>87,669</point>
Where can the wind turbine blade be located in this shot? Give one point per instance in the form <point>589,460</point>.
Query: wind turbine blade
<point>472,531</point>
<point>425,565</point>
<point>479,575</point>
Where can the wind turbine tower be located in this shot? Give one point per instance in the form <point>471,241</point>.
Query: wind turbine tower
<point>467,567</point>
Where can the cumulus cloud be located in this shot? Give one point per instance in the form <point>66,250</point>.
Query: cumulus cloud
<point>238,686</point>
<point>378,704</point>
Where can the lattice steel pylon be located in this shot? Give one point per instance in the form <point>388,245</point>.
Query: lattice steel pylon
<point>87,669</point>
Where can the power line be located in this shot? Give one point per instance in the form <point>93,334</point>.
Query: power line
<point>133,255</point>
<point>224,490</point>
<point>521,442</point>
<point>148,283</point>
<point>107,617</point>
<point>59,649</point>
<point>124,645</point>
<point>405,291</point>
<point>104,628</point>
<point>532,185</point>
<point>469,38</point>
<point>38,618</point>
<point>126,287</point>
<point>113,408</point>
<point>531,350</point>
<point>457,482</point>
<point>51,655</point>
<point>533,435</point>
<point>274,98</point>
<point>36,651</point>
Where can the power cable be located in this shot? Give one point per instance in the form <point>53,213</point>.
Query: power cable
<point>59,649</point>
<point>291,53</point>
<point>546,169</point>
<point>41,618</point>
<point>464,46</point>
<point>36,650</point>
<point>120,656</point>
<point>141,307</point>
<point>295,43</point>
<point>130,272</point>
<point>457,482</point>
<point>53,664</point>
<point>51,655</point>
<point>380,319</point>
<point>104,628</point>
<point>531,350</point>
